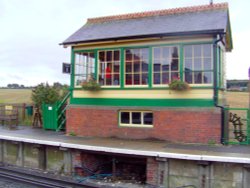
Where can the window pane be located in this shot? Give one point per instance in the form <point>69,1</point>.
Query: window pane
<point>207,50</point>
<point>102,56</point>
<point>157,53</point>
<point>197,77</point>
<point>188,51</point>
<point>144,66</point>
<point>128,79</point>
<point>128,55</point>
<point>128,67</point>
<point>117,55</point>
<point>188,77</point>
<point>188,65</point>
<point>157,66</point>
<point>207,64</point>
<point>137,79</point>
<point>174,76</point>
<point>137,66</point>
<point>125,117</point>
<point>165,78</point>
<point>109,56</point>
<point>147,118</point>
<point>144,53</point>
<point>116,79</point>
<point>144,79</point>
<point>197,50</point>
<point>165,64</point>
<point>197,64</point>
<point>136,117</point>
<point>175,64</point>
<point>208,77</point>
<point>157,78</point>
<point>166,53</point>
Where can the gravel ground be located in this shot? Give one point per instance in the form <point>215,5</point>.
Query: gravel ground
<point>7,183</point>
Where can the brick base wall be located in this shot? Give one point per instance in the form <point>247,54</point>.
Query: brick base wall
<point>185,125</point>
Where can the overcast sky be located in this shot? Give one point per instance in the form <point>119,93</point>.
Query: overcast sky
<point>31,30</point>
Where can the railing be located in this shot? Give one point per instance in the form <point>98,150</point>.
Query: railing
<point>61,112</point>
<point>236,126</point>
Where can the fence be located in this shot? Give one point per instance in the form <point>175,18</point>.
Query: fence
<point>25,112</point>
<point>237,126</point>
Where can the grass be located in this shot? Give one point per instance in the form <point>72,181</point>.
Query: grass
<point>238,99</point>
<point>15,96</point>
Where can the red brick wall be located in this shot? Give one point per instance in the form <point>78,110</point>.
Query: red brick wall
<point>189,125</point>
<point>152,169</point>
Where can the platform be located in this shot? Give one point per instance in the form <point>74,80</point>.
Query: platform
<point>153,148</point>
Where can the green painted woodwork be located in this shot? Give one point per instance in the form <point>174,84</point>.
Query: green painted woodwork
<point>143,102</point>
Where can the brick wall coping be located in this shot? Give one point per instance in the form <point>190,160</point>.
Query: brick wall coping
<point>199,109</point>
<point>132,147</point>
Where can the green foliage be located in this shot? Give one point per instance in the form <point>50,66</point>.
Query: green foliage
<point>178,85</point>
<point>72,134</point>
<point>43,93</point>
<point>91,85</point>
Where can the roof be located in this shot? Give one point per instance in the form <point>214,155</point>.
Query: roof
<point>205,19</point>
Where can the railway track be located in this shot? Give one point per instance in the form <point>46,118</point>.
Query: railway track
<point>38,180</point>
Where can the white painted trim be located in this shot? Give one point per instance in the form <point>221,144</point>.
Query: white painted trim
<point>185,156</point>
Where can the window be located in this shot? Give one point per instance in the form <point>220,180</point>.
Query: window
<point>165,64</point>
<point>198,66</point>
<point>136,66</point>
<point>136,118</point>
<point>84,67</point>
<point>109,67</point>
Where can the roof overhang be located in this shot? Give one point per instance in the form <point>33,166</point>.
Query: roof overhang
<point>161,35</point>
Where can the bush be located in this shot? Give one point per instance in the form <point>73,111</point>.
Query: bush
<point>178,85</point>
<point>43,93</point>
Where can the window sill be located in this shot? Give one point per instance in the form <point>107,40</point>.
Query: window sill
<point>136,126</point>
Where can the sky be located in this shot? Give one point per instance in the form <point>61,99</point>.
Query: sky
<point>31,30</point>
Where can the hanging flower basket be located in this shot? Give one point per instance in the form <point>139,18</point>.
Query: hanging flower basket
<point>91,85</point>
<point>178,85</point>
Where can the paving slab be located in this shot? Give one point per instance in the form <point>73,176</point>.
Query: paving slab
<point>154,148</point>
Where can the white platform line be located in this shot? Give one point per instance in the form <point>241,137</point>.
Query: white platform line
<point>185,156</point>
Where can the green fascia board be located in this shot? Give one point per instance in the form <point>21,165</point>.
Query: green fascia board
<point>143,102</point>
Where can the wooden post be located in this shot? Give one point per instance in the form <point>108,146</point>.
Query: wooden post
<point>23,111</point>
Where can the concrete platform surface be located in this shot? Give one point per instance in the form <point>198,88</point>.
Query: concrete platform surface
<point>154,148</point>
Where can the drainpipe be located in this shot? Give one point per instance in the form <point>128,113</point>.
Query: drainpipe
<point>215,86</point>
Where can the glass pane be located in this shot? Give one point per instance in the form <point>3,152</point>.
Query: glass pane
<point>165,78</point>
<point>128,67</point>
<point>128,55</point>
<point>208,77</point>
<point>137,66</point>
<point>116,67</point>
<point>101,56</point>
<point>197,64</point>
<point>188,77</point>
<point>137,79</point>
<point>128,79</point>
<point>174,52</point>
<point>188,51</point>
<point>157,53</point>
<point>144,53</point>
<point>136,117</point>
<point>175,64</point>
<point>188,65</point>
<point>136,54</point>
<point>165,64</point>
<point>174,76</point>
<point>147,118</point>
<point>207,50</point>
<point>144,66</point>
<point>125,117</point>
<point>101,79</point>
<point>109,56</point>
<point>116,79</point>
<point>197,50</point>
<point>117,55</point>
<point>144,79</point>
<point>207,64</point>
<point>157,66</point>
<point>166,53</point>
<point>157,78</point>
<point>197,77</point>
